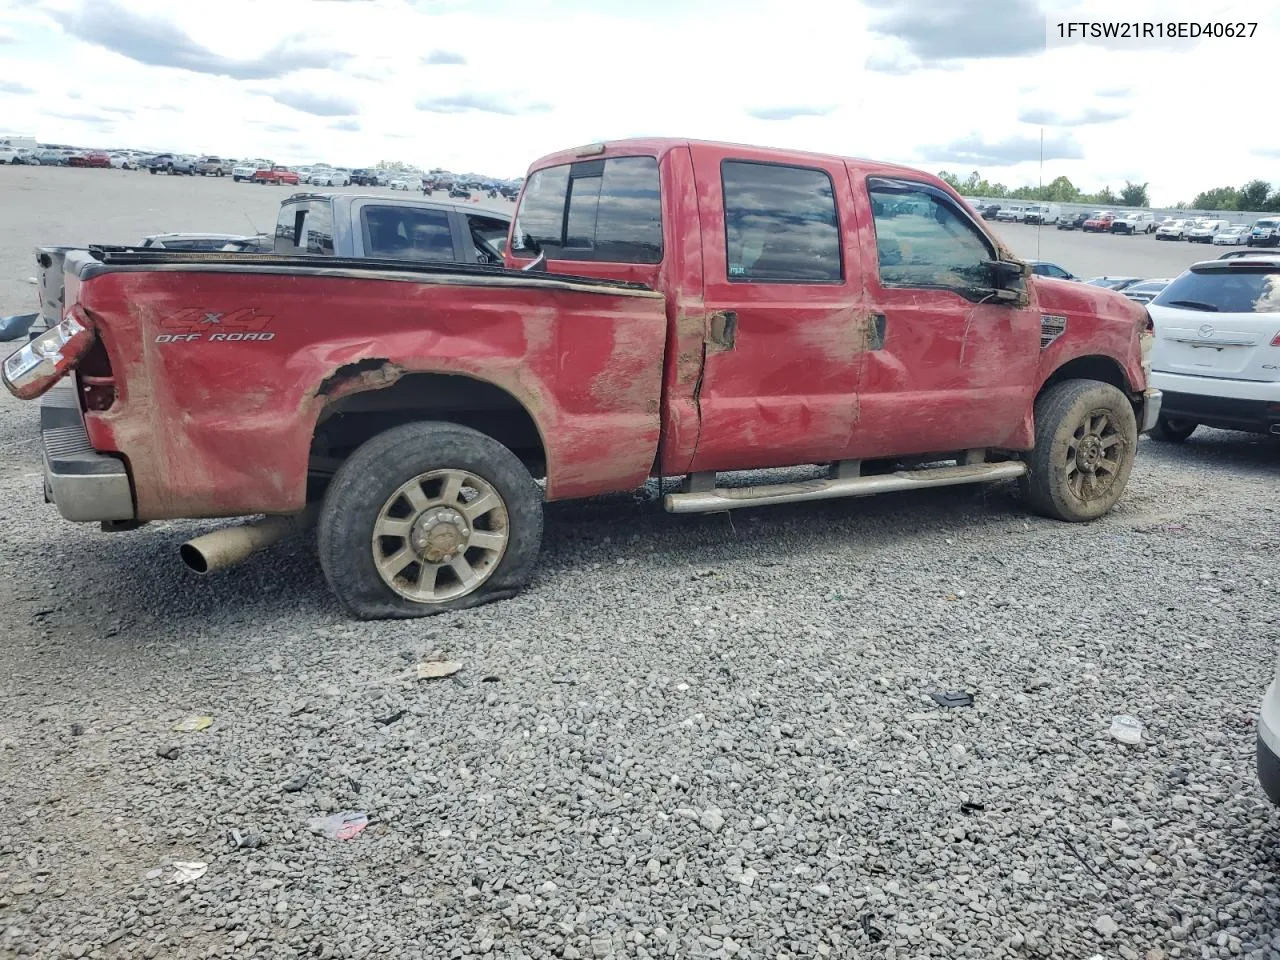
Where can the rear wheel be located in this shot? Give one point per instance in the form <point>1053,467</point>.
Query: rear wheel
<point>428,517</point>
<point>1173,431</point>
<point>1086,438</point>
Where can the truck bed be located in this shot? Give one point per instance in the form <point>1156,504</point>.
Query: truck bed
<point>222,365</point>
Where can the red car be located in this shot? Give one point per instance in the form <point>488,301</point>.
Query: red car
<point>275,175</point>
<point>706,308</point>
<point>92,159</point>
<point>1099,223</point>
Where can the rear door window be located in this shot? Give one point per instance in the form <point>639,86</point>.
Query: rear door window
<point>924,241</point>
<point>594,210</point>
<point>780,224</point>
<point>406,233</point>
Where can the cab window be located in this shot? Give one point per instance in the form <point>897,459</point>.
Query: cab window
<point>924,241</point>
<point>780,224</point>
<point>406,233</point>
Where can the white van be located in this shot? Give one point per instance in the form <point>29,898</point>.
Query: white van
<point>1043,213</point>
<point>1012,213</point>
<point>1205,230</point>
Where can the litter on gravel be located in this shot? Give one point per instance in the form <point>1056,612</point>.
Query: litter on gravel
<point>951,699</point>
<point>1126,729</point>
<point>184,871</point>
<point>340,826</point>
<point>435,669</point>
<point>193,724</point>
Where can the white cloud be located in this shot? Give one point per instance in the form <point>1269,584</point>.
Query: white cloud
<point>496,85</point>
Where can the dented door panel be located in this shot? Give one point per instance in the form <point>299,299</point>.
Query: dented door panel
<point>215,423</point>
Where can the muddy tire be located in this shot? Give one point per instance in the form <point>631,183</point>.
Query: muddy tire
<point>426,518</point>
<point>1173,431</point>
<point>1086,439</point>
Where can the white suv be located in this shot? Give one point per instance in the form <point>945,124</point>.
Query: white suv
<point>1205,230</point>
<point>1217,348</point>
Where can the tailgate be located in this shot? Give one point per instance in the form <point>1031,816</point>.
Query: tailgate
<point>1233,346</point>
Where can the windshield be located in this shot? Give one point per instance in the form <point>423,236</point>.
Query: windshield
<point>1234,290</point>
<point>1267,223</point>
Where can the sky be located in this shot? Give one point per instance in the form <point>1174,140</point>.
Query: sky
<point>490,86</point>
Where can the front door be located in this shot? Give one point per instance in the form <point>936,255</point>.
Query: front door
<point>782,284</point>
<point>953,368</point>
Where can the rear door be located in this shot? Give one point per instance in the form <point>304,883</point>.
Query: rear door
<point>782,288</point>
<point>1222,320</point>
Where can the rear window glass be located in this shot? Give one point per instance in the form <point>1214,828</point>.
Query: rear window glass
<point>594,210</point>
<point>405,233</point>
<point>1224,291</point>
<point>780,224</point>
<point>305,228</point>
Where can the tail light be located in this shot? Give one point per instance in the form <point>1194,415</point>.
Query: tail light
<point>39,364</point>
<point>1275,341</point>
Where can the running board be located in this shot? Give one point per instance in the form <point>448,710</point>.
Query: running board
<point>730,498</point>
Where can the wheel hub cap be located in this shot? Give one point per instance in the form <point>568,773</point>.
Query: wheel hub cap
<point>1089,453</point>
<point>439,535</point>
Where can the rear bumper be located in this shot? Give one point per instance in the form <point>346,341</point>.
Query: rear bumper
<point>83,484</point>
<point>1216,402</point>
<point>1269,742</point>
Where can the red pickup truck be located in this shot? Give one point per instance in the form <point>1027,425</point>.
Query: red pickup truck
<point>668,308</point>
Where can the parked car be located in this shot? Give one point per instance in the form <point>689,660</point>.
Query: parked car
<point>1265,232</point>
<point>331,178</point>
<point>213,167</point>
<point>1205,230</point>
<point>121,161</point>
<point>1073,221</point>
<point>1217,330</point>
<point>1114,283</point>
<point>275,174</point>
<point>9,155</point>
<point>1231,236</point>
<point>393,228</point>
<point>419,403</point>
<point>51,158</point>
<point>403,182</point>
<point>246,169</point>
<point>1043,213</point>
<point>1011,213</point>
<point>1145,291</point>
<point>987,211</point>
<point>510,191</point>
<point>1099,222</point>
<point>1268,740</point>
<point>1133,222</point>
<point>362,177</point>
<point>93,158</point>
<point>196,241</point>
<point>172,164</point>
<point>1044,268</point>
<point>1173,230</point>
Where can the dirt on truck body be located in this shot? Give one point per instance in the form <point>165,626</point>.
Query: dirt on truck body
<point>668,308</point>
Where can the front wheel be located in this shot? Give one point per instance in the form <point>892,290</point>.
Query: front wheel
<point>1086,439</point>
<point>426,518</point>
<point>1173,431</point>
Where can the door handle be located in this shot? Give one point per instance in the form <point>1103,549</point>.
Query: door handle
<point>723,329</point>
<point>875,332</point>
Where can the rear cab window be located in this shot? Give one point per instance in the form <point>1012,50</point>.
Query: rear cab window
<point>406,233</point>
<point>605,210</point>
<point>924,240</point>
<point>305,228</point>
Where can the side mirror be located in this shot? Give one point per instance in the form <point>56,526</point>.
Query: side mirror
<point>1005,273</point>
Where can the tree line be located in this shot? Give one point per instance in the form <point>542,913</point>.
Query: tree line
<point>1254,195</point>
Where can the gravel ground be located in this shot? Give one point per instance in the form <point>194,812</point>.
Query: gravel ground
<point>691,737</point>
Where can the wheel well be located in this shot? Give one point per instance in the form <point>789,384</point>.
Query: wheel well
<point>1090,368</point>
<point>351,419</point>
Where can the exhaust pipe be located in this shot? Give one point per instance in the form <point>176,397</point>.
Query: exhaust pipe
<point>223,548</point>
